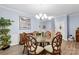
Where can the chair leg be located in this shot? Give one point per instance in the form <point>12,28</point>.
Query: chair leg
<point>28,52</point>
<point>59,53</point>
<point>24,50</point>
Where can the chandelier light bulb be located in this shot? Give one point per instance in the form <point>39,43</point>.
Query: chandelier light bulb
<point>49,18</point>
<point>37,17</point>
<point>40,15</point>
<point>45,16</point>
<point>42,18</point>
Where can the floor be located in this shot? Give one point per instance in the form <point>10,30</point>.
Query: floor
<point>68,48</point>
<point>13,50</point>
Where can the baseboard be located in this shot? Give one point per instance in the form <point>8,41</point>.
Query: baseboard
<point>14,44</point>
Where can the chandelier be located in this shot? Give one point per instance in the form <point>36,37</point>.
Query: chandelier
<point>43,16</point>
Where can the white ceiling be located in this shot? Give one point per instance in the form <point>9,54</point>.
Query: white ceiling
<point>49,9</point>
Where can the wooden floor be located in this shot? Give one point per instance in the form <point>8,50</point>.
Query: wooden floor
<point>68,48</point>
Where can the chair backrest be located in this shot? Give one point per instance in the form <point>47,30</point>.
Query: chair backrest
<point>58,33</point>
<point>31,44</point>
<point>48,34</point>
<point>23,38</point>
<point>56,44</point>
<point>34,33</point>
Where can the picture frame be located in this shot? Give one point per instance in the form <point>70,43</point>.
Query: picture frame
<point>24,23</point>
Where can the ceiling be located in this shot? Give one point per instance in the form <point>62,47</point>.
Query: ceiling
<point>49,9</point>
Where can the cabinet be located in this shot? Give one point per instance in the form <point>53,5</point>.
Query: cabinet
<point>77,35</point>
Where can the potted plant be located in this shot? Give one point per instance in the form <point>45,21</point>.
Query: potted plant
<point>4,33</point>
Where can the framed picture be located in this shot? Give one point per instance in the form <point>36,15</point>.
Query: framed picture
<point>24,23</point>
<point>43,27</point>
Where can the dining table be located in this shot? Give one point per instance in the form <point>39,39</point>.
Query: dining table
<point>43,41</point>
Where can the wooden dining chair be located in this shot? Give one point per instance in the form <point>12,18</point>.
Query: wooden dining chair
<point>22,38</point>
<point>32,47</point>
<point>48,34</point>
<point>55,47</point>
<point>35,34</point>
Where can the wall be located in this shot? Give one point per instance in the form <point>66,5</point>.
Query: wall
<point>61,21</point>
<point>50,25</point>
<point>14,15</point>
<point>73,24</point>
<point>70,26</point>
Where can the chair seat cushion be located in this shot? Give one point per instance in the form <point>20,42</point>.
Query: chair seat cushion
<point>49,48</point>
<point>39,49</point>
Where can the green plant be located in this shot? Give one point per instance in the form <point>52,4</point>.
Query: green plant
<point>4,32</point>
